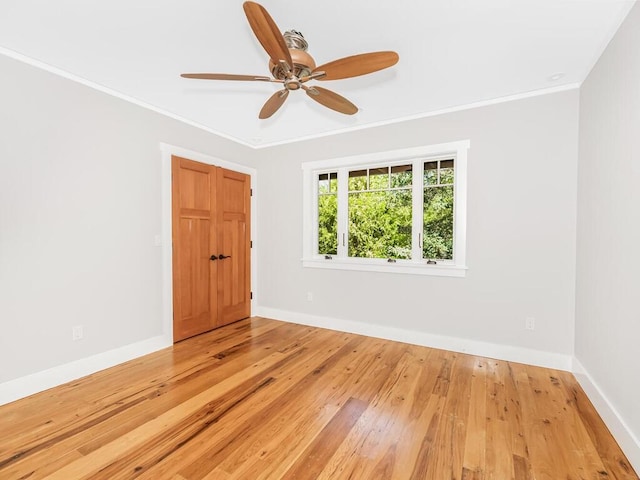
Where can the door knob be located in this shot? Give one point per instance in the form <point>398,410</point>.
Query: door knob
<point>222,257</point>
<point>213,257</point>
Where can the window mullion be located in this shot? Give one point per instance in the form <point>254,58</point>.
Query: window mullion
<point>417,209</point>
<point>343,213</point>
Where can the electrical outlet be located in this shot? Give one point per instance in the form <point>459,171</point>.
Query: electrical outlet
<point>77,333</point>
<point>530,323</point>
<point>309,296</point>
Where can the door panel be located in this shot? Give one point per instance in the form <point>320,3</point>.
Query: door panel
<point>194,274</point>
<point>234,275</point>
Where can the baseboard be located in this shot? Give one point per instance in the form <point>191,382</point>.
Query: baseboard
<point>37,382</point>
<point>629,443</point>
<point>455,344</point>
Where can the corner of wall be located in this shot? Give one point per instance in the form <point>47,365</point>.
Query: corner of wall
<point>628,442</point>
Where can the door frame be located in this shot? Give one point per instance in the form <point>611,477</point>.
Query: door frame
<point>165,239</point>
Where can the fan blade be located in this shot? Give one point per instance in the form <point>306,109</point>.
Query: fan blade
<point>267,33</point>
<point>273,104</point>
<point>226,76</point>
<point>331,100</point>
<point>357,65</point>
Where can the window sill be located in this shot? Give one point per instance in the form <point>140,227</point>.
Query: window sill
<point>384,267</point>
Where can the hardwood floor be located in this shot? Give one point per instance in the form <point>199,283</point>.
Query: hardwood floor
<point>261,399</point>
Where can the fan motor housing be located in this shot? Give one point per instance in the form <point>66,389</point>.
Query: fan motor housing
<point>303,63</point>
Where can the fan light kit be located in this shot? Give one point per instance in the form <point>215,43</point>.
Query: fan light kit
<point>293,67</point>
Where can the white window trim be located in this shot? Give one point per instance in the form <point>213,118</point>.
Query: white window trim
<point>455,268</point>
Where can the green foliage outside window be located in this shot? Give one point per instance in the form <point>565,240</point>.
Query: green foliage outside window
<point>438,223</point>
<point>328,224</point>
<point>380,224</point>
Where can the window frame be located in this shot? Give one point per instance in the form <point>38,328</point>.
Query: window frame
<point>452,268</point>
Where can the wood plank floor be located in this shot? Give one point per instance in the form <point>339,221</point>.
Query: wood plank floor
<point>262,399</point>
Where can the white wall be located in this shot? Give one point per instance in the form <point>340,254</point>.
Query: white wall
<point>521,232</point>
<point>80,205</point>
<point>608,253</point>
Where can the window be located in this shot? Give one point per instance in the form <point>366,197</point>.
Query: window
<point>402,211</point>
<point>438,201</point>
<point>328,213</point>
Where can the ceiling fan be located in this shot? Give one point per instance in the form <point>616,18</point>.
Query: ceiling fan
<point>293,67</point>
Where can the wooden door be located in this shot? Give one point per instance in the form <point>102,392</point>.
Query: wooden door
<point>234,245</point>
<point>194,274</point>
<point>211,247</point>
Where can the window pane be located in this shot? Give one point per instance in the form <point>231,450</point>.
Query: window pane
<point>380,224</point>
<point>333,182</point>
<point>438,223</point>
<point>323,183</point>
<point>446,172</point>
<point>401,176</point>
<point>379,178</point>
<point>357,180</point>
<point>328,224</point>
<point>431,173</point>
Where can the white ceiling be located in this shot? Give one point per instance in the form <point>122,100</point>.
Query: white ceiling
<point>453,53</point>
